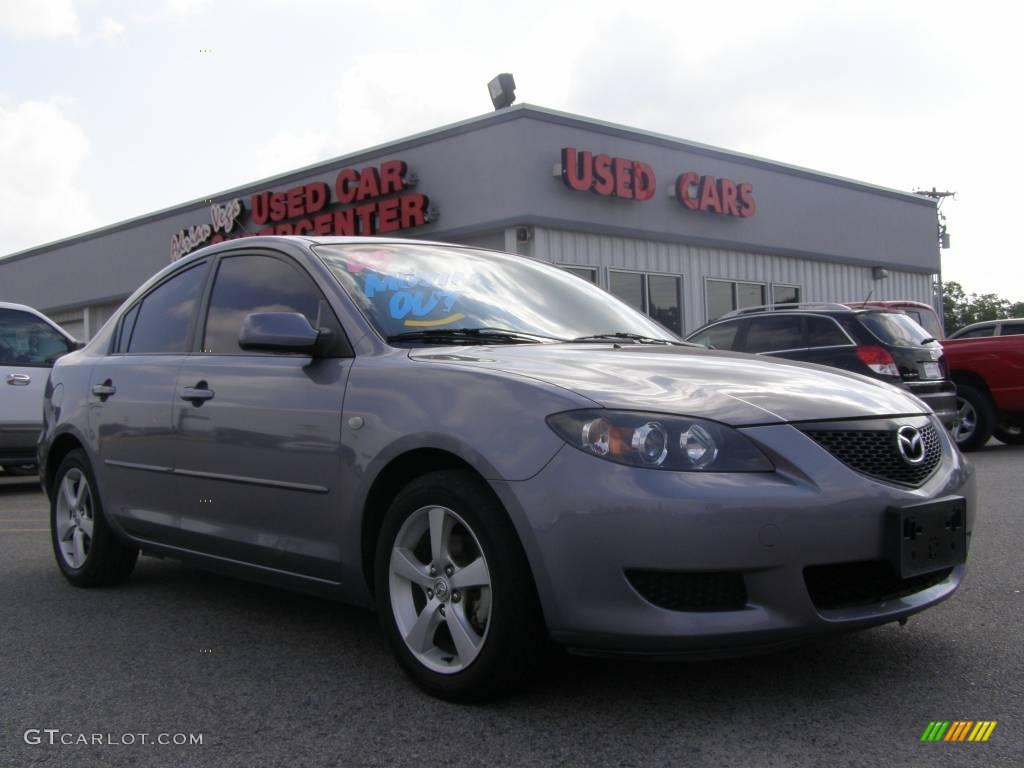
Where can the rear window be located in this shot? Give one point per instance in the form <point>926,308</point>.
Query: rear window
<point>895,329</point>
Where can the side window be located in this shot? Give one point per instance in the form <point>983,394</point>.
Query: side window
<point>247,284</point>
<point>27,340</point>
<point>772,333</point>
<point>823,332</point>
<point>722,336</point>
<point>978,333</point>
<point>1012,329</point>
<point>166,312</point>
<point>125,330</point>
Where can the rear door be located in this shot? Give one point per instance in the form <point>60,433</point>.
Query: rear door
<point>829,344</point>
<point>258,457</point>
<point>779,335</point>
<point>28,348</point>
<point>131,397</point>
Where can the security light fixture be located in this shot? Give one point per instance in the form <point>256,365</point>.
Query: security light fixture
<point>879,273</point>
<point>503,90</point>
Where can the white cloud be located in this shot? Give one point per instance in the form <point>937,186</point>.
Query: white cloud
<point>41,199</point>
<point>183,7</point>
<point>45,18</point>
<point>108,28</point>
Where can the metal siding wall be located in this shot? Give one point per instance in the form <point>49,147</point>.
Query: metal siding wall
<point>818,280</point>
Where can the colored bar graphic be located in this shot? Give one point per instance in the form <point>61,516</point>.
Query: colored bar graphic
<point>935,730</point>
<point>958,730</point>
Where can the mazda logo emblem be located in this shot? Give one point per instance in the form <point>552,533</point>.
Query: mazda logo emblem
<point>910,444</point>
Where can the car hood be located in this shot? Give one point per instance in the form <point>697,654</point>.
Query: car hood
<point>732,388</point>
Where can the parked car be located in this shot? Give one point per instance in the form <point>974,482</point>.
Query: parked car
<point>496,455</point>
<point>882,344</point>
<point>1012,326</point>
<point>29,344</point>
<point>989,376</point>
<point>921,313</point>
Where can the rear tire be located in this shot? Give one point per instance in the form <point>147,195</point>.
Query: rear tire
<point>976,418</point>
<point>454,592</point>
<point>88,552</point>
<point>1010,433</point>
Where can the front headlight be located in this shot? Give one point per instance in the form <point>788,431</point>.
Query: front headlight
<point>677,443</point>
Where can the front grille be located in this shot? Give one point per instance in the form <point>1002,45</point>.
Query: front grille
<point>846,585</point>
<point>873,452</point>
<point>691,590</point>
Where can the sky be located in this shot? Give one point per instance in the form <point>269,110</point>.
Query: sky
<point>110,110</point>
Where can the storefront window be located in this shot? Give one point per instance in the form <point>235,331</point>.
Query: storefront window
<point>628,286</point>
<point>785,294</point>
<point>749,295</point>
<point>655,295</point>
<point>665,307</point>
<point>720,298</point>
<point>724,296</point>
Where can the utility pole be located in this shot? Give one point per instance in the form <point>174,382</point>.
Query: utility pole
<point>939,197</point>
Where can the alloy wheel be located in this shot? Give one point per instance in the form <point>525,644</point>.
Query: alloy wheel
<point>966,422</point>
<point>440,589</point>
<point>74,519</point>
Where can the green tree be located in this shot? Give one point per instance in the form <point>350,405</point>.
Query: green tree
<point>960,309</point>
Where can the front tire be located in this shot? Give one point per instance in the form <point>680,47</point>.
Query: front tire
<point>88,552</point>
<point>454,592</point>
<point>976,418</point>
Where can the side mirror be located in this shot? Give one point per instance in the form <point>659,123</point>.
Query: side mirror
<point>75,345</point>
<point>280,332</point>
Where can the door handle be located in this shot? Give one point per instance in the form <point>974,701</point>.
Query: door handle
<point>197,394</point>
<point>104,390</point>
<point>18,379</point>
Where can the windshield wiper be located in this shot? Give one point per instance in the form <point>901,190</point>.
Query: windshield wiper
<point>634,337</point>
<point>473,335</point>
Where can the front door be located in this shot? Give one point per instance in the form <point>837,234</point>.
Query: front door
<point>259,434</point>
<point>28,348</point>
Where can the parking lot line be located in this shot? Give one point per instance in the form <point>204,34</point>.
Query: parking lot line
<point>22,530</point>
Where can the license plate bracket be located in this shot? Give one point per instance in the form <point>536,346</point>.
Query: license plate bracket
<point>932,371</point>
<point>927,537</point>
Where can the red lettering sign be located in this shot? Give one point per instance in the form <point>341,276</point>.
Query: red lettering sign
<point>607,176</point>
<point>368,201</point>
<point>708,193</point>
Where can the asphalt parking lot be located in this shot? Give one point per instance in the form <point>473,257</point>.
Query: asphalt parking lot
<point>272,678</point>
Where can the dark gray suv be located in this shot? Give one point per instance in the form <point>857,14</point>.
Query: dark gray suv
<point>494,454</point>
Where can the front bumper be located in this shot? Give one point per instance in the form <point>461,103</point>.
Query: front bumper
<point>585,522</point>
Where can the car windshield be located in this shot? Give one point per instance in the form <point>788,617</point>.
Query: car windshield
<point>438,290</point>
<point>896,329</point>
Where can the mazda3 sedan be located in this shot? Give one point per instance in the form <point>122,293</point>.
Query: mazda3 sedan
<point>496,455</point>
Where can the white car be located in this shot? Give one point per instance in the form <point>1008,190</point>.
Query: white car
<point>29,344</point>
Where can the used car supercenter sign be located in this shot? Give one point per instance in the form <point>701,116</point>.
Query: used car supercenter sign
<point>369,201</point>
<point>583,171</point>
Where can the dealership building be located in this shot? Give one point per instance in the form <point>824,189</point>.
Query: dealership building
<point>682,231</point>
